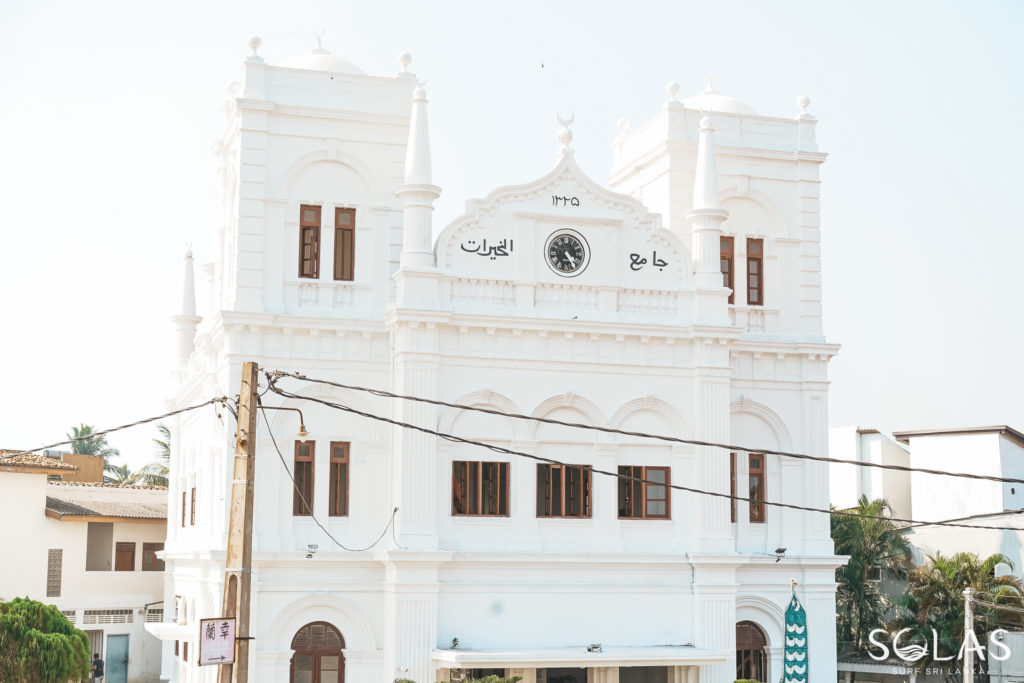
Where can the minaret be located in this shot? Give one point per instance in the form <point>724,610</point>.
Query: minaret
<point>187,321</point>
<point>418,193</point>
<point>707,215</point>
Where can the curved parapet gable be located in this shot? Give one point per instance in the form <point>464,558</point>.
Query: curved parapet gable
<point>506,236</point>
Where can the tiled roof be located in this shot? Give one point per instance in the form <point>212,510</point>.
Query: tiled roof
<point>32,460</point>
<point>75,499</point>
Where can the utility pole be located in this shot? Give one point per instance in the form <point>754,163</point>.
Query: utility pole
<point>968,644</point>
<point>238,564</point>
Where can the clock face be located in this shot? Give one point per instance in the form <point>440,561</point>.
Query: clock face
<point>567,253</point>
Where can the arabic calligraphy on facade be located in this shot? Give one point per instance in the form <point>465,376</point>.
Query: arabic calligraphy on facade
<point>563,201</point>
<point>636,262</point>
<point>502,248</point>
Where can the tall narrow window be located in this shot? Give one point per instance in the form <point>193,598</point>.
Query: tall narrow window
<point>192,509</point>
<point>480,488</point>
<point>732,487</point>
<point>338,506</point>
<point>309,241</point>
<point>755,272</point>
<point>184,500</point>
<point>725,247</point>
<point>150,562</point>
<point>124,557</point>
<point>54,568</point>
<point>563,491</point>
<point>646,499</point>
<point>302,495</point>
<point>344,244</point>
<point>757,488</point>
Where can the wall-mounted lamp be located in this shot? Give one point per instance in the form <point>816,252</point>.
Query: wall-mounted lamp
<point>779,554</point>
<point>594,647</point>
<point>312,550</point>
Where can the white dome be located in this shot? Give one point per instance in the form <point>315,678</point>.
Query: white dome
<point>322,60</point>
<point>714,101</point>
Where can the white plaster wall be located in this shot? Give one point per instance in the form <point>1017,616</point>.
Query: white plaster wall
<point>951,497</point>
<point>848,482</point>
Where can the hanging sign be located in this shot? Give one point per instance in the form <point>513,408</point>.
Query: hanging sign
<point>217,641</point>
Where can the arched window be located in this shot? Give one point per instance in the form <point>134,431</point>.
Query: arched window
<point>317,657</point>
<point>751,659</point>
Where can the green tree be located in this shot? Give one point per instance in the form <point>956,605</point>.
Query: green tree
<point>39,645</point>
<point>156,473</point>
<point>872,542</point>
<point>935,600</point>
<point>85,443</point>
<point>120,474</point>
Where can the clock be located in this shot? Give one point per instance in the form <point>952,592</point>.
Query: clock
<point>567,253</point>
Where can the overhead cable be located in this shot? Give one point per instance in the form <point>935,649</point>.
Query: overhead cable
<point>508,451</point>
<point>645,435</point>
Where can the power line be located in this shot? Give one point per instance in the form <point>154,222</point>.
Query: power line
<point>981,515</point>
<point>220,399</point>
<point>678,487</point>
<point>660,437</point>
<point>390,524</point>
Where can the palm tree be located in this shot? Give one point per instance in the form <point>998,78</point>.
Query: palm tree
<point>935,600</point>
<point>156,473</point>
<point>84,443</point>
<point>873,543</point>
<point>123,476</point>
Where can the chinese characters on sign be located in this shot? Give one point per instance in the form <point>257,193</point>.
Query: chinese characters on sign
<point>216,641</point>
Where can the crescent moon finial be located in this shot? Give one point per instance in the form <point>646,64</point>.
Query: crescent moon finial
<point>572,117</point>
<point>419,82</point>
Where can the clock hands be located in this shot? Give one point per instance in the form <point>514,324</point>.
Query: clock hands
<point>569,257</point>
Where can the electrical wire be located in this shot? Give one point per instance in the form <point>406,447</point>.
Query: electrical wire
<point>220,399</point>
<point>508,451</point>
<point>305,503</point>
<point>660,437</point>
<point>981,515</point>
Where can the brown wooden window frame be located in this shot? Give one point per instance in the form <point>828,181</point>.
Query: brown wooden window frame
<point>757,491</point>
<point>726,248</point>
<point>474,480</point>
<point>341,469</point>
<point>552,493</point>
<point>150,562</point>
<point>192,509</point>
<point>124,556</point>
<point>732,487</point>
<point>755,272</point>
<point>344,254</point>
<point>309,235</point>
<point>303,470</point>
<point>630,490</point>
<point>184,507</point>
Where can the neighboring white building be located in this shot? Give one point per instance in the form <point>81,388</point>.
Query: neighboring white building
<point>847,483</point>
<point>557,298</point>
<point>996,451</point>
<point>91,550</point>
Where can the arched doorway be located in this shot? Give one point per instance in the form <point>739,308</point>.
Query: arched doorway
<point>317,657</point>
<point>751,658</point>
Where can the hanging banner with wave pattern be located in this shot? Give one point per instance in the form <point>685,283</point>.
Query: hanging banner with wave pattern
<point>795,657</point>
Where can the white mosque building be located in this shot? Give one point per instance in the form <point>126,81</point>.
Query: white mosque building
<point>685,300</point>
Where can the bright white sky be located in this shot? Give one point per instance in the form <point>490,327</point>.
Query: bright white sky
<point>108,111</point>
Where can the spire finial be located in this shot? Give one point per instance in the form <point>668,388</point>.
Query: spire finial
<point>254,45</point>
<point>319,36</point>
<point>404,60</point>
<point>564,134</point>
<point>672,88</point>
<point>710,87</point>
<point>803,102</point>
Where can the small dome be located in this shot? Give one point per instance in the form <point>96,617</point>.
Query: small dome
<point>322,60</point>
<point>714,101</point>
